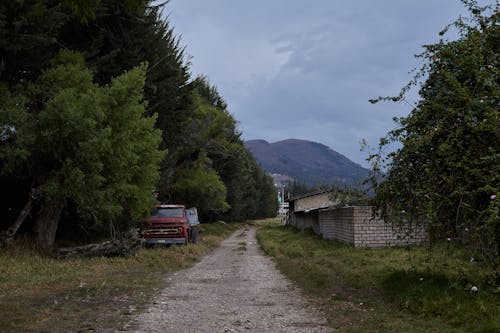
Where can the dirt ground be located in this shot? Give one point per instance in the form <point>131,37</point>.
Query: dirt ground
<point>234,289</point>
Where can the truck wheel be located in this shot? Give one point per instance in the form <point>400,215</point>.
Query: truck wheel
<point>194,235</point>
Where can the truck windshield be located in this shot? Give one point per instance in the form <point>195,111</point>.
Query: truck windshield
<point>167,212</point>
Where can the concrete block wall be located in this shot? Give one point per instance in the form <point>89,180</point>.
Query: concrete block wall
<point>355,226</point>
<point>337,224</point>
<point>374,233</point>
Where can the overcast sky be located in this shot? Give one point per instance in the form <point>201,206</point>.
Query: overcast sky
<point>306,68</point>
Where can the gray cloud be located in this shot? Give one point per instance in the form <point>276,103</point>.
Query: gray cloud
<point>306,69</point>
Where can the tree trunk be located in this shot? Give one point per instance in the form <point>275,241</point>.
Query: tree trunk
<point>8,235</point>
<point>47,223</point>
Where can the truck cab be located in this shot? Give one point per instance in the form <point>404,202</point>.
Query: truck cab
<point>168,224</point>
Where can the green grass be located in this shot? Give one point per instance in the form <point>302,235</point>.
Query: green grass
<point>41,294</point>
<point>413,289</point>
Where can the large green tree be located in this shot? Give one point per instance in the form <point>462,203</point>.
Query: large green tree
<point>250,191</point>
<point>118,39</point>
<point>194,181</point>
<point>82,143</point>
<point>447,171</point>
<point>115,36</point>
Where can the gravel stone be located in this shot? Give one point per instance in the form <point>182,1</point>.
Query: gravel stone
<point>231,290</point>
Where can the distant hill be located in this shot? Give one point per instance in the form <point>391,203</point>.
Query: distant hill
<point>310,162</point>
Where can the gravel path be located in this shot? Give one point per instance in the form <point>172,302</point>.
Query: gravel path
<point>234,289</point>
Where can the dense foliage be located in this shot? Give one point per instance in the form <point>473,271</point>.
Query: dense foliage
<point>250,191</point>
<point>447,171</point>
<point>82,143</point>
<point>76,126</point>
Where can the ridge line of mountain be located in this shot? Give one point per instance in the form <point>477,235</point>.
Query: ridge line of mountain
<point>308,162</point>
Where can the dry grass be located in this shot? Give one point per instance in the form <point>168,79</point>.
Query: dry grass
<point>41,294</point>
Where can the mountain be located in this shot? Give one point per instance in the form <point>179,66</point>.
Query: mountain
<point>309,162</point>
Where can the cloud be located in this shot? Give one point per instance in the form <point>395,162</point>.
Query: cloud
<point>306,69</point>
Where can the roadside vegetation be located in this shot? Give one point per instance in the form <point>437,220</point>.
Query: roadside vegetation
<point>40,294</point>
<point>100,117</point>
<point>416,289</point>
<point>446,171</point>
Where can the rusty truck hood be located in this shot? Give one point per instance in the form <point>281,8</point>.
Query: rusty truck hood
<point>169,220</point>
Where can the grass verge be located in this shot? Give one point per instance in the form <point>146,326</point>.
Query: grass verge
<point>40,294</point>
<point>413,289</point>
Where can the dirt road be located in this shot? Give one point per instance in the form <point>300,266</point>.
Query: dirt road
<point>235,289</point>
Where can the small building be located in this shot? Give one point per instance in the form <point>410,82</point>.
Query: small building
<point>353,225</point>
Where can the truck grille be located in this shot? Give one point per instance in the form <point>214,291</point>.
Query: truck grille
<point>162,232</point>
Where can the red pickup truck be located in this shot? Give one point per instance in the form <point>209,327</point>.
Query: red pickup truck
<point>171,224</point>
